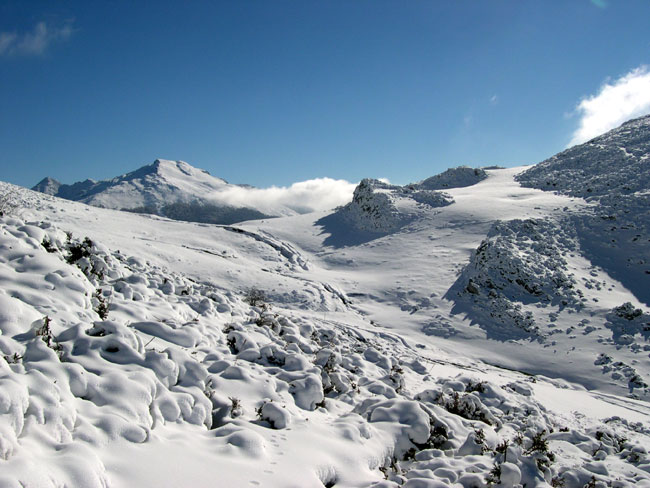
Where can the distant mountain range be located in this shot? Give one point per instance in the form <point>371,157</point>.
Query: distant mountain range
<point>178,190</point>
<point>173,189</point>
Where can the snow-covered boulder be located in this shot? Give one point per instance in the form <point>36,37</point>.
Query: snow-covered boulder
<point>372,207</point>
<point>307,392</point>
<point>519,263</point>
<point>278,417</point>
<point>380,207</point>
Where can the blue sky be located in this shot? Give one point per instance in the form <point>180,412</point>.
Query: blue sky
<point>274,92</point>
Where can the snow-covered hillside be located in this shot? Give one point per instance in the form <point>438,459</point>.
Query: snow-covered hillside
<point>130,341</point>
<point>452,178</point>
<point>612,172</point>
<point>410,338</point>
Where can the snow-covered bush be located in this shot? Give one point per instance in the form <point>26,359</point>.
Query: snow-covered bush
<point>278,417</point>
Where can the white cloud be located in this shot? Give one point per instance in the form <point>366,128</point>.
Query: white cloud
<point>34,42</point>
<point>616,102</point>
<point>303,197</point>
<point>7,39</point>
<point>494,99</point>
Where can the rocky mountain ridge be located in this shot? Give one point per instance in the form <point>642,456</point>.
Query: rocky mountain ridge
<point>173,189</point>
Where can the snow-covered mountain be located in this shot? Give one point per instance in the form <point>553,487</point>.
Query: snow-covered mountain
<point>612,174</point>
<point>610,165</point>
<point>173,189</point>
<point>490,335</point>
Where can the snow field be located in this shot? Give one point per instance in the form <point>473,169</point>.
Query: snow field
<point>131,352</point>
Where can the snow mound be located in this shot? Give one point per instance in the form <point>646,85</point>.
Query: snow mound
<point>519,263</point>
<point>380,207</point>
<point>453,178</point>
<point>372,207</point>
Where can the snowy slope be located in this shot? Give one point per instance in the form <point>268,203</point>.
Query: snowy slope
<point>614,163</point>
<point>535,302</point>
<point>136,346</point>
<point>612,172</point>
<point>453,178</point>
<point>170,188</point>
<point>471,342</point>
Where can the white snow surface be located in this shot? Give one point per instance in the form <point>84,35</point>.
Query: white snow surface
<point>473,344</point>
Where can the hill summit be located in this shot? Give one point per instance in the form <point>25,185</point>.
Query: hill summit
<point>173,189</point>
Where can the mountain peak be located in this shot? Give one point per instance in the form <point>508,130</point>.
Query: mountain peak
<point>167,167</point>
<point>48,185</point>
<point>171,188</point>
<point>612,164</point>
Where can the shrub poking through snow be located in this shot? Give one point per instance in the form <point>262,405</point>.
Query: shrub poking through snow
<point>494,477</point>
<point>45,333</point>
<point>478,386</point>
<point>539,450</point>
<point>236,408</point>
<point>397,377</point>
<point>79,250</point>
<point>13,358</point>
<point>502,448</point>
<point>255,297</point>
<point>48,246</point>
<point>479,438</point>
<point>557,482</point>
<point>102,305</point>
<point>538,444</point>
<point>467,406</point>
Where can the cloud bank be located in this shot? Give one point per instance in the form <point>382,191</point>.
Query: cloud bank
<point>34,42</point>
<point>616,102</point>
<point>302,197</point>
